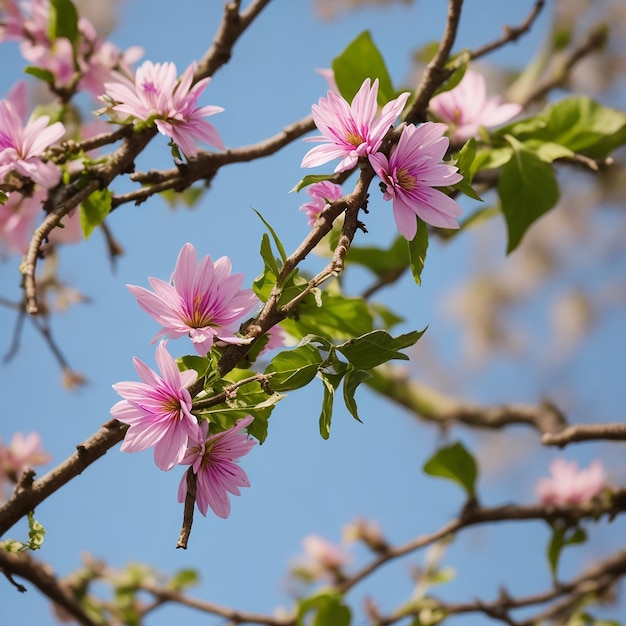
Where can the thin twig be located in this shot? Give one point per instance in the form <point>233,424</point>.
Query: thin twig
<point>436,73</point>
<point>511,33</point>
<point>586,432</point>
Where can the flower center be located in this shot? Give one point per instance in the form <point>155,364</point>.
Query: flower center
<point>405,180</point>
<point>354,139</point>
<point>149,87</point>
<point>200,316</point>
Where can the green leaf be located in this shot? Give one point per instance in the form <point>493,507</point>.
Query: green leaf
<point>328,609</point>
<point>491,158</point>
<point>94,209</point>
<point>380,261</point>
<point>279,245</point>
<point>188,198</point>
<point>309,179</point>
<point>547,150</point>
<point>361,60</point>
<point>63,20</point>
<point>352,379</point>
<point>417,251</point>
<point>459,62</point>
<point>327,405</point>
<point>36,534</point>
<point>376,347</point>
<point>577,123</point>
<point>199,364</point>
<point>183,579</point>
<point>37,72</point>
<point>339,317</point>
<point>455,463</point>
<point>562,536</point>
<point>292,369</point>
<point>527,189</point>
<point>464,161</point>
<point>267,254</point>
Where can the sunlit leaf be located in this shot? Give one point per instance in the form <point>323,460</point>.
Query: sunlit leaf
<point>527,189</point>
<point>455,463</point>
<point>292,369</point>
<point>417,251</point>
<point>94,210</point>
<point>361,60</point>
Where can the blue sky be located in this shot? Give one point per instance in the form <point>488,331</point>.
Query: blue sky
<point>123,509</point>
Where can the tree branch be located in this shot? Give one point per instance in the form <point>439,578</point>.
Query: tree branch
<point>436,73</point>
<point>24,500</point>
<point>585,432</point>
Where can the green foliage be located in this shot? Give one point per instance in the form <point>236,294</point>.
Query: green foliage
<point>417,251</point>
<point>309,179</point>
<point>380,261</point>
<point>46,75</point>
<point>361,60</point>
<point>377,347</point>
<point>527,189</point>
<point>183,579</point>
<point>250,398</point>
<point>94,210</point>
<point>578,123</point>
<point>36,535</point>
<point>458,64</point>
<point>63,20</point>
<point>465,162</point>
<point>562,536</point>
<point>325,608</point>
<point>292,369</point>
<point>188,198</point>
<point>455,463</point>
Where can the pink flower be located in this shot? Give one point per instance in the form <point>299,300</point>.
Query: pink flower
<point>98,59</point>
<point>158,410</point>
<point>203,301</point>
<point>57,57</point>
<point>322,560</point>
<point>18,217</point>
<point>350,131</point>
<point>466,108</point>
<point>21,146</point>
<point>158,96</point>
<point>212,459</point>
<point>21,453</point>
<point>569,485</point>
<point>410,174</point>
<point>320,193</point>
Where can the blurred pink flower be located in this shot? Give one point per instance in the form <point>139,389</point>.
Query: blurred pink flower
<point>158,410</point>
<point>320,194</point>
<point>18,217</point>
<point>98,59</point>
<point>350,131</point>
<point>410,174</point>
<point>158,96</point>
<point>57,57</point>
<point>466,108</point>
<point>569,485</point>
<point>322,560</point>
<point>203,301</point>
<point>213,459</point>
<point>21,453</point>
<point>21,146</point>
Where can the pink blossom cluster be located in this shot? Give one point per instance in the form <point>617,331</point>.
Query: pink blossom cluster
<point>24,451</point>
<point>411,172</point>
<point>22,145</point>
<point>86,63</point>
<point>156,95</point>
<point>569,485</point>
<point>203,301</point>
